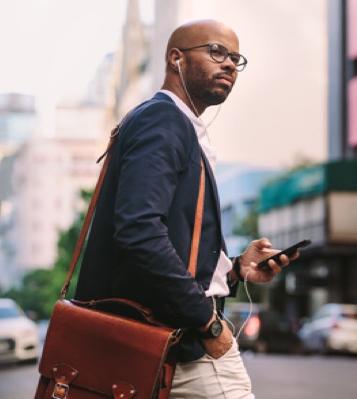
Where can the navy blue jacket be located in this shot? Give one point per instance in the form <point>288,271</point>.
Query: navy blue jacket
<point>139,243</point>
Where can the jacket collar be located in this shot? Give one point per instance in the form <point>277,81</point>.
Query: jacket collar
<point>163,96</point>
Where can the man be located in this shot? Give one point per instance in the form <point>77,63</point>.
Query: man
<point>140,239</point>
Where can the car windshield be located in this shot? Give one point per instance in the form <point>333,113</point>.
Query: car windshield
<point>9,312</point>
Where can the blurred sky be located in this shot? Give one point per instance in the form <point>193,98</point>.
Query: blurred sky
<point>276,114</point>
<point>58,44</point>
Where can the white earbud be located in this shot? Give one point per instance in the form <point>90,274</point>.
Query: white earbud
<point>178,63</point>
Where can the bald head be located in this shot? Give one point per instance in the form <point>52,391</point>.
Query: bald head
<point>201,60</point>
<point>199,32</point>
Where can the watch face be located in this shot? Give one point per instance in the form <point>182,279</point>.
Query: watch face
<point>216,328</point>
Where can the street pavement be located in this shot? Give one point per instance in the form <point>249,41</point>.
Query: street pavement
<point>302,377</point>
<point>273,376</point>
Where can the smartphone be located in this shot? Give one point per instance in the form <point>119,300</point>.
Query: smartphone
<point>263,265</point>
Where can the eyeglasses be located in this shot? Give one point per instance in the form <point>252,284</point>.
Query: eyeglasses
<point>219,54</point>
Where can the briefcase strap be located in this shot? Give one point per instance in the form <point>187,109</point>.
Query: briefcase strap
<point>192,265</point>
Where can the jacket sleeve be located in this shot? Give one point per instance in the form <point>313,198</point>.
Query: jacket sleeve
<point>155,151</point>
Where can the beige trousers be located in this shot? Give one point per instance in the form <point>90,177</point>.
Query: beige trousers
<point>209,378</point>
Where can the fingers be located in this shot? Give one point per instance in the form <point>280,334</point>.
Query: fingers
<point>277,266</point>
<point>284,261</point>
<point>274,266</point>
<point>295,255</point>
<point>258,252</point>
<point>263,243</point>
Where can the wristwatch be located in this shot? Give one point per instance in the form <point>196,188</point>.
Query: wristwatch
<point>214,329</point>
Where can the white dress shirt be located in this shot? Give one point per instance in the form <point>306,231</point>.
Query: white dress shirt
<point>218,286</point>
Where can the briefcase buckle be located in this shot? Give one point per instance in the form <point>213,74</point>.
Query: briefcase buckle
<point>60,391</point>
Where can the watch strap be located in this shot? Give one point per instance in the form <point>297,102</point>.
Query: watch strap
<point>236,267</point>
<point>208,333</point>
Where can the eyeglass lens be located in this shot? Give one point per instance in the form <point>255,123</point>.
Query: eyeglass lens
<point>220,53</point>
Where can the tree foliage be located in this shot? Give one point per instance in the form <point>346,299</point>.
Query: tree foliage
<point>248,224</point>
<point>40,288</point>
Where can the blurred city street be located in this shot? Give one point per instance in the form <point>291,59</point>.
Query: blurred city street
<point>282,164</point>
<point>288,377</point>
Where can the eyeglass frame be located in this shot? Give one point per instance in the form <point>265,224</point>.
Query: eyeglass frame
<point>228,54</point>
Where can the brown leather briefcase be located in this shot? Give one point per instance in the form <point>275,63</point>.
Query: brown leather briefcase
<point>94,354</point>
<point>109,348</point>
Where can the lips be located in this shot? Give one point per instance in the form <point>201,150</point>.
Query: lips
<point>225,79</point>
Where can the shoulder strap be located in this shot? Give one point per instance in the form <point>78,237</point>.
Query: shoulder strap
<point>197,227</point>
<point>92,205</point>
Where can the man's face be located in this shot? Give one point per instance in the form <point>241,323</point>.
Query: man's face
<point>207,80</point>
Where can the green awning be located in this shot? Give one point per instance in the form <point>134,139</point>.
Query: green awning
<point>309,182</point>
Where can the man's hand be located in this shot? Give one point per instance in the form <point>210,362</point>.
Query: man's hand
<point>257,251</point>
<point>217,347</point>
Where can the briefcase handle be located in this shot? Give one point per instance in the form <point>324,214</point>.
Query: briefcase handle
<point>122,306</point>
<point>192,264</point>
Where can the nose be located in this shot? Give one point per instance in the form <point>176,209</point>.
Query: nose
<point>228,65</point>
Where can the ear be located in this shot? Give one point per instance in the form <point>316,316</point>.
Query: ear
<point>173,56</point>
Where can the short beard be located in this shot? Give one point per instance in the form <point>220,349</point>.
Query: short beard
<point>198,87</point>
<point>205,95</point>
<point>213,97</point>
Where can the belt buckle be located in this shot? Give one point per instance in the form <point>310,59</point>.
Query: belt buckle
<point>60,391</point>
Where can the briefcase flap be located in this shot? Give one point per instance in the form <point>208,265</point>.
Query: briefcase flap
<point>103,351</point>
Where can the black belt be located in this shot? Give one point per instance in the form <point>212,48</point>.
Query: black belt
<point>219,301</point>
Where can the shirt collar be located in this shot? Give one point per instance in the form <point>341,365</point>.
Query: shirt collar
<point>198,125</point>
<point>197,122</point>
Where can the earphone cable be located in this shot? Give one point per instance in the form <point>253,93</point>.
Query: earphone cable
<point>250,306</point>
<point>193,105</point>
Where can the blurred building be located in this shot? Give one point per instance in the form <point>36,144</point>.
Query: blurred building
<point>317,203</point>
<point>41,180</point>
<point>41,200</point>
<point>352,74</point>
<point>44,173</point>
<point>81,121</point>
<point>320,202</point>
<point>130,81</point>
<point>44,185</point>
<point>99,88</point>
<point>17,120</point>
<point>239,188</point>
<point>17,125</point>
<point>41,177</point>
<point>342,73</point>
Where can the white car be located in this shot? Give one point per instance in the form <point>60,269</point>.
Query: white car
<point>333,328</point>
<point>18,334</point>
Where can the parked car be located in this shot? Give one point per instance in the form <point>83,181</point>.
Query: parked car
<point>333,328</point>
<point>42,326</point>
<point>265,331</point>
<point>18,334</point>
